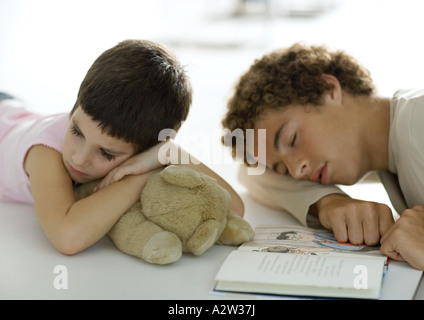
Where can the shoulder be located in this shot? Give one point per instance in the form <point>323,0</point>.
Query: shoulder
<point>41,156</point>
<point>407,109</point>
<point>407,120</point>
<point>416,130</point>
<point>49,179</point>
<point>408,95</point>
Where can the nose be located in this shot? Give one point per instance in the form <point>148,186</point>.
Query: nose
<point>297,166</point>
<point>80,157</point>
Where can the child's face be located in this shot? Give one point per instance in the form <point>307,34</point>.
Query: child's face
<point>88,154</point>
<point>317,143</point>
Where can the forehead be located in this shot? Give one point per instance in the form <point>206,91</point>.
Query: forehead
<point>274,122</point>
<point>93,134</point>
<point>273,117</point>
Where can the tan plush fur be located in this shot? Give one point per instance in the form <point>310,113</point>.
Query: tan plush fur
<point>180,210</point>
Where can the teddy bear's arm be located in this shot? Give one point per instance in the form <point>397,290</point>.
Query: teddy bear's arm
<point>237,230</point>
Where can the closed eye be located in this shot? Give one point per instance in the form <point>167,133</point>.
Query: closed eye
<point>294,140</point>
<point>75,131</point>
<point>107,155</point>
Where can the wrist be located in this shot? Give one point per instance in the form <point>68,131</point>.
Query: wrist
<point>327,199</point>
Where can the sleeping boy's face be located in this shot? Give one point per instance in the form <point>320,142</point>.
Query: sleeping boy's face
<point>317,143</point>
<point>88,153</point>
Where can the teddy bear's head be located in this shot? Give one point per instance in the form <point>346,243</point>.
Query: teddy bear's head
<point>180,200</point>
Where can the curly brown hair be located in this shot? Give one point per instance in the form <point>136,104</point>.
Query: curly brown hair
<point>292,76</point>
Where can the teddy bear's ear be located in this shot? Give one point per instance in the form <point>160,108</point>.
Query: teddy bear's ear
<point>181,176</point>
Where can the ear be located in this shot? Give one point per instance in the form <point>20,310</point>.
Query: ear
<point>335,94</point>
<point>181,176</point>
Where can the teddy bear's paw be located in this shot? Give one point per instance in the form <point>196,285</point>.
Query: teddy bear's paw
<point>163,248</point>
<point>236,232</point>
<point>204,237</point>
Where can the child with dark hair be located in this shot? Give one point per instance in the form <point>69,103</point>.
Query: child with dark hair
<point>131,92</point>
<point>326,126</point>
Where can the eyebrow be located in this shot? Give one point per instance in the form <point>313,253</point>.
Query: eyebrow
<point>113,152</point>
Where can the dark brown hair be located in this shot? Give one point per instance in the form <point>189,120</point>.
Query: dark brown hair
<point>292,76</point>
<point>134,90</point>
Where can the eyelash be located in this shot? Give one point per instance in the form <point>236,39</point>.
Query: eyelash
<point>294,140</point>
<point>103,153</point>
<point>106,155</point>
<point>76,132</point>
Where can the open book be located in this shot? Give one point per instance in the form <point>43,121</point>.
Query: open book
<point>299,261</point>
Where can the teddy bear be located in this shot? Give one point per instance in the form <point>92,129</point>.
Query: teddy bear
<point>180,211</point>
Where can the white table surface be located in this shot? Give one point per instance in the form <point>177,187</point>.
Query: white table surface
<point>27,262</point>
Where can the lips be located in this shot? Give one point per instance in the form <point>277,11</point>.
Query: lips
<point>79,173</point>
<point>320,175</point>
<point>324,175</point>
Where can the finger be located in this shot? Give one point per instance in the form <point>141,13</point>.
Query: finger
<point>104,182</point>
<point>122,172</point>
<point>392,254</point>
<point>389,243</point>
<point>354,229</point>
<point>339,228</point>
<point>388,234</point>
<point>418,208</point>
<point>371,229</point>
<point>385,222</point>
<point>388,248</point>
<point>99,186</point>
<point>117,174</point>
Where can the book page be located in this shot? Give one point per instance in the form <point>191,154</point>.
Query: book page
<point>301,270</point>
<point>255,269</point>
<point>302,240</point>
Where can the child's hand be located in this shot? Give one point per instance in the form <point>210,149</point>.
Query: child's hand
<point>354,220</point>
<point>404,241</point>
<point>137,164</point>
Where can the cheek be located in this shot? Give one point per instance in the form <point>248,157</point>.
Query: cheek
<point>66,148</point>
<point>101,168</point>
<point>312,145</point>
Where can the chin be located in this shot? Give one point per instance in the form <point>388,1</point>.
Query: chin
<point>344,180</point>
<point>349,181</point>
<point>79,179</point>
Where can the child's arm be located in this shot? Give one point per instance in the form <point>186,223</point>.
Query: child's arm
<point>155,158</point>
<point>69,225</point>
